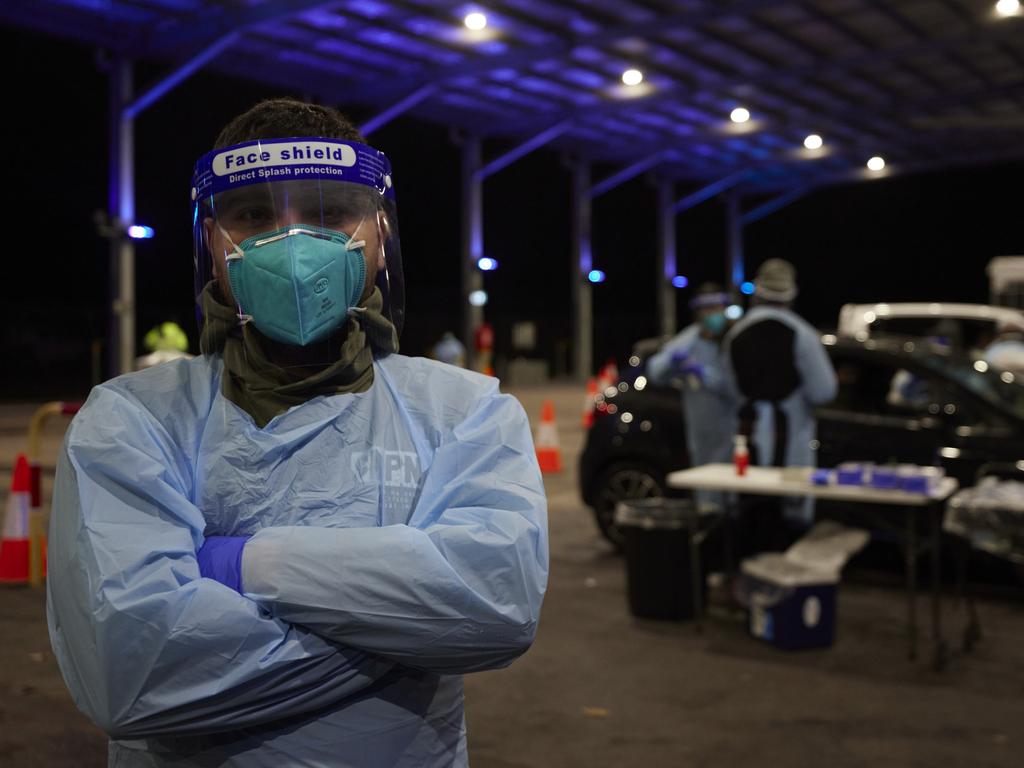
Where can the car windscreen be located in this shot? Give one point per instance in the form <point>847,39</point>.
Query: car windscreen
<point>999,388</point>
<point>958,333</point>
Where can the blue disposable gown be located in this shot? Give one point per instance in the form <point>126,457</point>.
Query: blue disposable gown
<point>399,539</point>
<point>709,408</point>
<point>817,386</point>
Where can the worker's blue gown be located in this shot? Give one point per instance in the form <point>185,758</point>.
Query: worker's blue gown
<point>399,540</point>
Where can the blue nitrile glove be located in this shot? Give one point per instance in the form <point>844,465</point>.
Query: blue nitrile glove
<point>679,360</point>
<point>220,559</point>
<point>693,369</point>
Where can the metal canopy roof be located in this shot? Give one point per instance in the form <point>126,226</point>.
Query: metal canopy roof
<point>923,83</point>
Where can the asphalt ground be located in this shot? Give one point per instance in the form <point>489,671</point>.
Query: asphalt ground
<point>602,688</point>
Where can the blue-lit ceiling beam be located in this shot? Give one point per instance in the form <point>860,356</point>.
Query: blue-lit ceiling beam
<point>792,77</point>
<point>776,203</point>
<point>383,118</point>
<point>482,64</point>
<point>175,78</point>
<point>208,26</point>
<point>75,24</point>
<point>528,146</point>
<point>629,172</point>
<point>707,192</point>
<point>769,77</point>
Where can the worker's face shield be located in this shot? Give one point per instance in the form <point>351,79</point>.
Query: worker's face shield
<point>294,234</point>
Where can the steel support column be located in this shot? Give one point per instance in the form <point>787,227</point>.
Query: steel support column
<point>582,263</point>
<point>472,242</point>
<point>734,241</point>
<point>666,232</point>
<point>121,214</point>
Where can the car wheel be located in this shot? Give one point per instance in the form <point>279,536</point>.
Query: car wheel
<point>622,482</point>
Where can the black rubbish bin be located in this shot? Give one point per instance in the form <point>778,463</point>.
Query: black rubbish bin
<point>663,569</point>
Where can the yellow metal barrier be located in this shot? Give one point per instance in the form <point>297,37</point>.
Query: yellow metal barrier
<point>36,529</point>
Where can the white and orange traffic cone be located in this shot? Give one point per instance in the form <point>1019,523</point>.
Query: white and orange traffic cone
<point>14,547</point>
<point>612,372</point>
<point>589,402</point>
<point>549,455</point>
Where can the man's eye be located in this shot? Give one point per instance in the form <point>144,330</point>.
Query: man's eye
<point>337,213</point>
<point>255,216</point>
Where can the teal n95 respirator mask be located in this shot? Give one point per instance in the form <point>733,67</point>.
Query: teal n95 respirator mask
<point>297,283</point>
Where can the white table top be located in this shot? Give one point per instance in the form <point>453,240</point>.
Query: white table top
<point>768,481</point>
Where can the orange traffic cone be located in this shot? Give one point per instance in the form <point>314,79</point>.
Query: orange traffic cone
<point>589,401</point>
<point>549,456</point>
<point>14,549</point>
<point>612,371</point>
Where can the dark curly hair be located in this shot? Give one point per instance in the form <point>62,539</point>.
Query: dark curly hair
<point>285,119</point>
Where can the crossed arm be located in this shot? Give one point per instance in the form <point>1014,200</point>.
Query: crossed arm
<point>148,647</point>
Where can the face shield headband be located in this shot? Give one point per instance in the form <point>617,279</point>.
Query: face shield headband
<point>320,172</point>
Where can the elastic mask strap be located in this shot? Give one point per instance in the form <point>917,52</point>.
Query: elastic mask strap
<point>381,230</point>
<point>352,243</point>
<point>238,253</point>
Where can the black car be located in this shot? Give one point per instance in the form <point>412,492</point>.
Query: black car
<point>961,416</point>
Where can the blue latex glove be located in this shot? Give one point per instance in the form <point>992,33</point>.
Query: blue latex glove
<point>220,559</point>
<point>693,369</point>
<point>679,359</point>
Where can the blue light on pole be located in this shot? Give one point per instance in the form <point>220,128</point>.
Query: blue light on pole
<point>139,232</point>
<point>680,281</point>
<point>595,276</point>
<point>487,264</point>
<point>747,288</point>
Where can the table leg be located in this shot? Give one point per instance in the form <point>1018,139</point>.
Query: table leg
<point>911,566</point>
<point>695,579</point>
<point>940,651</point>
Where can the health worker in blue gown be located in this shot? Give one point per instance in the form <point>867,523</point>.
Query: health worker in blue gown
<point>779,369</point>
<point>693,360</point>
<point>287,550</point>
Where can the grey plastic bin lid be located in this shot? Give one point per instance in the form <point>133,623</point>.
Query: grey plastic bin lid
<point>666,514</point>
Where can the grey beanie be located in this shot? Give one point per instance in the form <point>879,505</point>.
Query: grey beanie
<point>776,281</point>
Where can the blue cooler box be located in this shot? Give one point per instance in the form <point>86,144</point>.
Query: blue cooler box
<point>791,606</point>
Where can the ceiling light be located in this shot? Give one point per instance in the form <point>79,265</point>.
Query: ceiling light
<point>475,21</point>
<point>876,163</point>
<point>632,77</point>
<point>813,141</point>
<point>1007,7</point>
<point>739,115</point>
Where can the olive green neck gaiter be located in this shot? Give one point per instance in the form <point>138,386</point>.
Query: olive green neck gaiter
<point>263,389</point>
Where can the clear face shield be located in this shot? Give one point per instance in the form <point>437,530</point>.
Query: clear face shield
<point>295,235</point>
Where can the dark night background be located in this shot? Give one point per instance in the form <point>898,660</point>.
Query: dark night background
<point>925,237</point>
